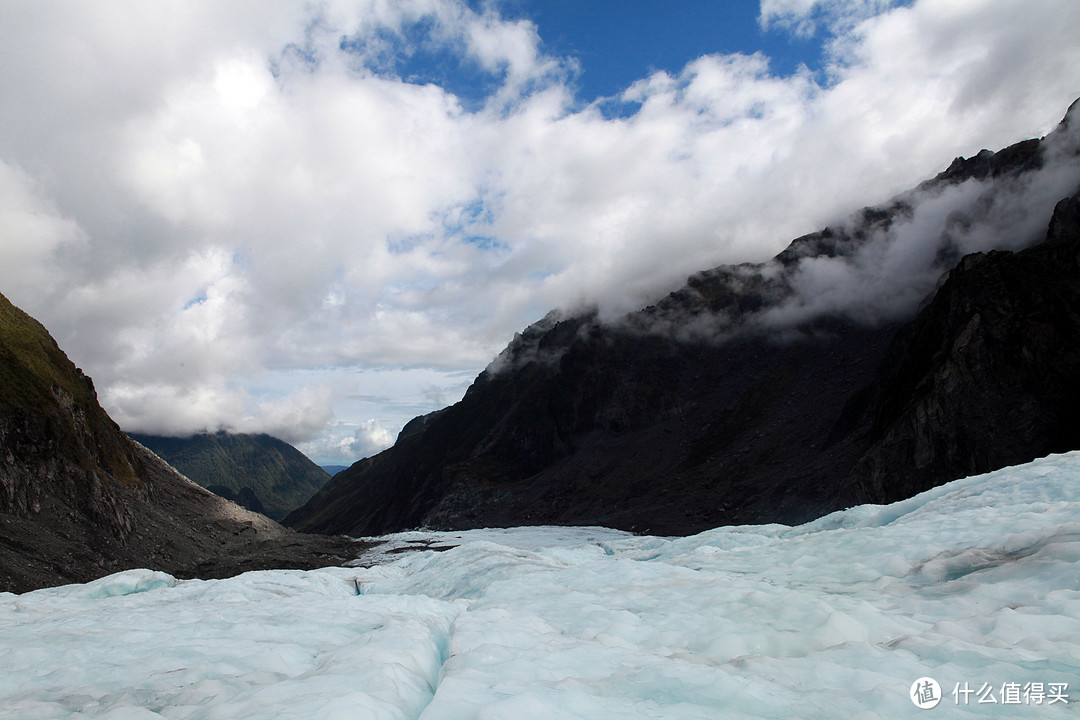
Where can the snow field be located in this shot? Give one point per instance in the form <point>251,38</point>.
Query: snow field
<point>974,582</point>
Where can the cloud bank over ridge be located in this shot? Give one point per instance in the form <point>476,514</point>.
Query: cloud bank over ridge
<point>226,213</point>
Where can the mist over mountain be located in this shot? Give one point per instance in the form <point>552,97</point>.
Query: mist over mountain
<point>79,499</point>
<point>914,343</point>
<point>257,471</point>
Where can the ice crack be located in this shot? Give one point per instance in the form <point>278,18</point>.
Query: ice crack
<point>442,637</point>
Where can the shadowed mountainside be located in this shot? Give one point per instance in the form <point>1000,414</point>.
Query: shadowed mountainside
<point>865,363</point>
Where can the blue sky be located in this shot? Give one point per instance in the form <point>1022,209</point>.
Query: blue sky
<point>614,43</point>
<point>319,219</point>
<point>619,42</point>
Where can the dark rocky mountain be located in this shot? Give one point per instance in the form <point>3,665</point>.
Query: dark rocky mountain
<point>79,499</point>
<point>910,345</point>
<point>259,472</point>
<point>987,375</point>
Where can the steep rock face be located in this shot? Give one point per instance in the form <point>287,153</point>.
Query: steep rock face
<point>988,374</point>
<point>768,392</point>
<point>623,431</point>
<point>259,472</point>
<point>57,443</point>
<point>79,500</point>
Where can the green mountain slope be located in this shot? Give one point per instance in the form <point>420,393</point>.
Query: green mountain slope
<point>260,472</point>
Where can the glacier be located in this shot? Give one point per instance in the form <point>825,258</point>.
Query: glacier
<point>975,584</point>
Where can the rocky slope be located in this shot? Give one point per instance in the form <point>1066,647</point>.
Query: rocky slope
<point>987,376</point>
<point>79,500</point>
<point>868,361</point>
<point>258,472</point>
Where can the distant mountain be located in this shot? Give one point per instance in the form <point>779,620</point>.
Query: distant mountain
<point>333,470</point>
<point>79,499</point>
<point>259,472</point>
<point>912,344</point>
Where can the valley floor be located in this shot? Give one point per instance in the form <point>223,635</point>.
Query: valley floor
<point>975,584</point>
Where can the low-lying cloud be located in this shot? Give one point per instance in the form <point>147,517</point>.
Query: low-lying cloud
<point>892,271</point>
<point>887,276</point>
<point>875,266</point>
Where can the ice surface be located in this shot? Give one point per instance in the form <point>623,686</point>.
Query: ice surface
<point>975,584</point>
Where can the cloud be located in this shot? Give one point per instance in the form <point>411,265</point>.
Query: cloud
<point>344,442</point>
<point>898,266</point>
<point>34,234</point>
<point>209,196</point>
<point>878,265</point>
<point>805,17</point>
<point>298,417</point>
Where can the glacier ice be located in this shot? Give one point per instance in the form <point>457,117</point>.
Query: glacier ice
<point>975,584</point>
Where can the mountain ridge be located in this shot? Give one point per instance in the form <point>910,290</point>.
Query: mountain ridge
<point>746,396</point>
